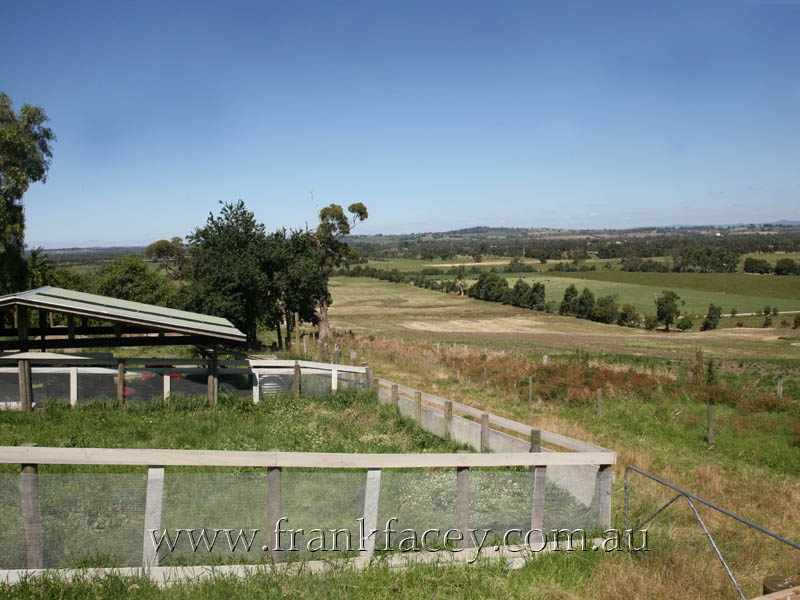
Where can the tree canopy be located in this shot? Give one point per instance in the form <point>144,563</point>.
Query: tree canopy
<point>231,270</point>
<point>25,155</point>
<point>129,278</point>
<point>667,308</point>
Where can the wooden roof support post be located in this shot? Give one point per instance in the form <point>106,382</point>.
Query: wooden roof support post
<point>42,322</point>
<point>22,327</point>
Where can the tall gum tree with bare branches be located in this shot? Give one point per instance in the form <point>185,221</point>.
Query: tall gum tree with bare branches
<point>333,225</point>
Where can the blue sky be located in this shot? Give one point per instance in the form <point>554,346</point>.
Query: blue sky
<point>436,115</point>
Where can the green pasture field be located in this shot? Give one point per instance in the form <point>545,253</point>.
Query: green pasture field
<point>776,288</point>
<point>695,291</point>
<point>374,307</point>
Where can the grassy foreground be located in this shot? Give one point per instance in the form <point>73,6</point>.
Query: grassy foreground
<point>549,577</point>
<point>342,422</point>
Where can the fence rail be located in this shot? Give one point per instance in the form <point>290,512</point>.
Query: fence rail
<point>316,460</point>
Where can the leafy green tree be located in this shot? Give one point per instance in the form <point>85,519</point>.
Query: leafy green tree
<point>684,323</point>
<point>170,254</point>
<point>301,280</point>
<point>786,266</point>
<point>25,155</point>
<point>667,308</point>
<point>490,287</point>
<point>757,265</point>
<point>41,272</point>
<point>606,310</point>
<point>231,270</point>
<point>129,278</point>
<point>519,293</point>
<point>712,317</point>
<point>569,304</point>
<point>628,315</point>
<point>585,304</point>
<point>536,296</point>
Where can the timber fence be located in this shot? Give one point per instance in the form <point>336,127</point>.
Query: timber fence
<point>31,382</point>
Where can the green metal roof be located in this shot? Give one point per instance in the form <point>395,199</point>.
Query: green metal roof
<point>113,309</point>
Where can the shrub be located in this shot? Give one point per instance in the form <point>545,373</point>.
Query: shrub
<point>684,323</point>
<point>712,318</point>
<point>650,322</point>
<point>796,324</point>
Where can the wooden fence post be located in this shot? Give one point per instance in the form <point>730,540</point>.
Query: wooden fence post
<point>212,381</point>
<point>485,377</point>
<point>121,381</point>
<point>297,332</point>
<point>25,385</point>
<point>455,375</point>
<point>73,386</point>
<point>256,391</point>
<point>539,483</point>
<point>166,384</point>
<point>780,389</point>
<point>273,509</point>
<point>418,408</point>
<point>370,378</point>
<point>31,516</point>
<point>395,397</point>
<point>305,346</point>
<point>152,515</point>
<point>462,502</point>
<point>484,432</point>
<point>372,493</point>
<point>297,376</point>
<point>545,359</point>
<point>427,365</point>
<point>337,354</point>
<point>530,388</point>
<point>334,378</point>
<point>448,420</point>
<point>603,483</point>
<point>710,424</point>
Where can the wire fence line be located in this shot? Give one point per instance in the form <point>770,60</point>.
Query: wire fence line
<point>163,516</point>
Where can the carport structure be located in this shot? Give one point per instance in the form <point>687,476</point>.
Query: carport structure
<point>93,321</point>
<point>124,323</point>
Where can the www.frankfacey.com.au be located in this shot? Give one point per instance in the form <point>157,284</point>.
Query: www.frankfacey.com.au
<point>286,539</point>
